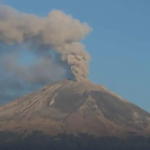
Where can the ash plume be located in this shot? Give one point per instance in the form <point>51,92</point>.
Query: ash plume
<point>52,41</point>
<point>57,32</point>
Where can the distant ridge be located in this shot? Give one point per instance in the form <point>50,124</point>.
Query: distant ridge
<point>72,108</point>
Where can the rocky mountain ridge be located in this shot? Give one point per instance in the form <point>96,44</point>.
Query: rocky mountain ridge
<point>74,116</point>
<point>72,107</point>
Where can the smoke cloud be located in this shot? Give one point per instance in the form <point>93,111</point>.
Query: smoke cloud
<point>53,40</point>
<point>58,31</point>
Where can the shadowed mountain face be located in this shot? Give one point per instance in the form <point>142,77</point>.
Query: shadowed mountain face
<point>73,108</point>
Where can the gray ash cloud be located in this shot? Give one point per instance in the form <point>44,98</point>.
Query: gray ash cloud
<point>55,42</point>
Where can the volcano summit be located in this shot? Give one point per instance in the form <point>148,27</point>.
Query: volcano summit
<point>73,115</point>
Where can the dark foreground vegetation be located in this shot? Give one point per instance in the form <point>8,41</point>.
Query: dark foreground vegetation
<point>40,141</point>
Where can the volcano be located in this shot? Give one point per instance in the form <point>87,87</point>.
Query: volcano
<point>73,115</point>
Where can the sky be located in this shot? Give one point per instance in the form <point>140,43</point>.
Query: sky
<point>119,43</point>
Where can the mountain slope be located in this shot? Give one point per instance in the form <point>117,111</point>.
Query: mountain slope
<point>70,107</point>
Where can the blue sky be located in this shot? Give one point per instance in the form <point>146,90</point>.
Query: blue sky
<point>119,43</point>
